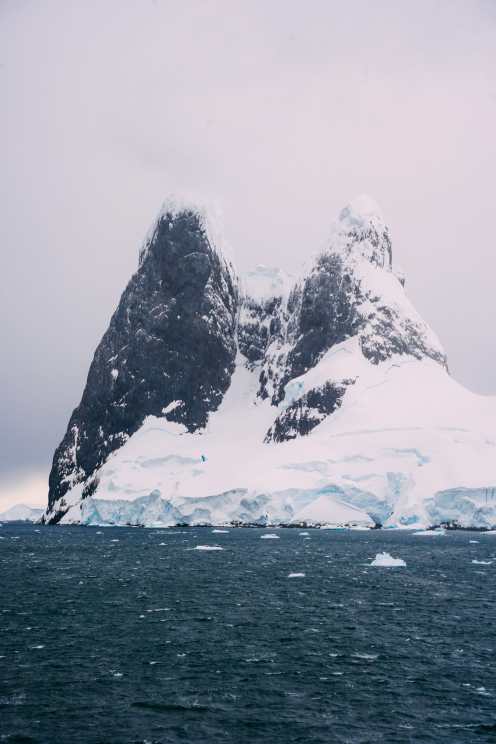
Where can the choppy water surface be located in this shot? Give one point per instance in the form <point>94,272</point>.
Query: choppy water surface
<point>129,635</point>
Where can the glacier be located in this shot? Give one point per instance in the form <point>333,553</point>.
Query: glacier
<point>21,513</point>
<point>348,470</point>
<point>334,405</point>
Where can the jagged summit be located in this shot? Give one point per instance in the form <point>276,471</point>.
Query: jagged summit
<point>360,210</point>
<point>272,399</point>
<point>361,232</point>
<point>206,214</point>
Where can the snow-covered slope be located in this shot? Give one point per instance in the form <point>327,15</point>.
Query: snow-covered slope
<point>339,408</point>
<point>21,513</point>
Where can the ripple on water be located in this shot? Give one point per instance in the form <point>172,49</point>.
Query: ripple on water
<point>172,646</point>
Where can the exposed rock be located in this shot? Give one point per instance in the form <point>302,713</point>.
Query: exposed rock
<point>169,349</point>
<point>300,417</point>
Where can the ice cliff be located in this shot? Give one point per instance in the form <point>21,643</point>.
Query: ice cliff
<point>269,399</point>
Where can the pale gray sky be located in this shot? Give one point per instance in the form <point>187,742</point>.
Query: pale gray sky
<point>280,112</point>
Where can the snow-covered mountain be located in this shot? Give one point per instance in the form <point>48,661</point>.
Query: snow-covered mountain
<point>268,399</point>
<point>21,513</point>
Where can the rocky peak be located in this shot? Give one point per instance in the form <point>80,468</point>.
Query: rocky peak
<point>349,290</point>
<point>361,232</point>
<point>169,349</point>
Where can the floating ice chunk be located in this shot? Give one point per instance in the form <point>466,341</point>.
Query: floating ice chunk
<point>208,547</point>
<point>473,542</point>
<point>385,560</point>
<point>482,691</point>
<point>303,534</point>
<point>482,563</point>
<point>366,657</point>
<point>296,575</point>
<point>430,533</point>
<point>270,536</point>
<point>219,532</point>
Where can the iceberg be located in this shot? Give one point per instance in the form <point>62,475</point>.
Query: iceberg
<point>385,560</point>
<point>322,400</point>
<point>429,533</point>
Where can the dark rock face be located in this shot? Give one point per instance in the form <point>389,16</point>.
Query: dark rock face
<point>334,303</point>
<point>262,323</point>
<point>324,315</point>
<point>388,333</point>
<point>172,338</point>
<point>300,417</point>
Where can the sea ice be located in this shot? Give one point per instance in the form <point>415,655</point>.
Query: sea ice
<point>296,575</point>
<point>367,657</point>
<point>386,561</point>
<point>430,533</point>
<point>208,547</point>
<point>270,536</point>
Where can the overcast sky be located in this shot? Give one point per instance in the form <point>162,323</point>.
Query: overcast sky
<point>280,112</point>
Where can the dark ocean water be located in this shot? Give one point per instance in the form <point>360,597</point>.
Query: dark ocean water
<point>128,635</point>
